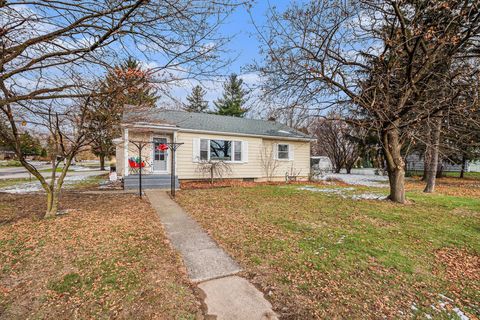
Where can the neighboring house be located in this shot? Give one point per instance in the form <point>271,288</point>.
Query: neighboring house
<point>6,154</point>
<point>415,162</point>
<point>321,163</point>
<point>253,149</point>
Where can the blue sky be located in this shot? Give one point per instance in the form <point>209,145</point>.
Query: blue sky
<point>243,47</point>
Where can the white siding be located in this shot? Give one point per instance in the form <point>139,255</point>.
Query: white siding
<point>250,167</point>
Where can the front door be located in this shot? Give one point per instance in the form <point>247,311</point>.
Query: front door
<point>159,156</point>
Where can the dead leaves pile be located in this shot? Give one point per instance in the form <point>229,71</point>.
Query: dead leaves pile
<point>107,257</point>
<point>460,264</point>
<point>450,186</point>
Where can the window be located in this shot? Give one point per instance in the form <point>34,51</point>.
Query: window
<point>203,149</point>
<point>237,147</point>
<point>283,151</point>
<point>220,150</point>
<point>223,150</point>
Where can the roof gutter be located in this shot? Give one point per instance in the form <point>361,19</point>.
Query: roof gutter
<point>146,125</point>
<point>246,135</point>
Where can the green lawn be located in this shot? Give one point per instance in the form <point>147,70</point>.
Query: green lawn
<point>325,255</point>
<point>59,169</point>
<point>10,163</point>
<point>10,182</point>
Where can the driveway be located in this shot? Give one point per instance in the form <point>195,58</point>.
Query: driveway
<point>75,174</point>
<point>22,173</point>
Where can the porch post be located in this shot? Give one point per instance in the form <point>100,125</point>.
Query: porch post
<point>125,155</point>
<point>175,141</point>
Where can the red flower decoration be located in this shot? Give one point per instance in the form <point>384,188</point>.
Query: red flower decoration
<point>162,147</point>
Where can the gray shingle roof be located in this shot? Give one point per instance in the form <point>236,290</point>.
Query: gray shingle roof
<point>215,123</point>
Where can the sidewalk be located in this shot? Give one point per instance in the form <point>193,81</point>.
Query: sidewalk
<point>226,296</point>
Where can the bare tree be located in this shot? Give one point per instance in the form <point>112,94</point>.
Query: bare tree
<point>51,51</point>
<point>295,116</point>
<point>378,59</point>
<point>335,138</point>
<point>213,169</point>
<point>67,136</point>
<point>268,162</point>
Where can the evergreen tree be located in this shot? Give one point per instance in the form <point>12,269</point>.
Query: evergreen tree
<point>233,98</point>
<point>196,100</point>
<point>125,84</point>
<point>30,145</point>
<point>129,84</point>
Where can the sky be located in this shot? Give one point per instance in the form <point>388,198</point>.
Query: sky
<point>244,47</point>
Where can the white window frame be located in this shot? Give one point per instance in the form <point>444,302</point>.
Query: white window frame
<point>232,143</point>
<point>288,152</point>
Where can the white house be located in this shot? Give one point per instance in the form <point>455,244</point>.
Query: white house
<point>253,149</point>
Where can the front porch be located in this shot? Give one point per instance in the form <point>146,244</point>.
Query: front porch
<point>144,146</point>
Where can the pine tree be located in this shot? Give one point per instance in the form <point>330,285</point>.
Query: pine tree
<point>125,84</point>
<point>233,98</point>
<point>129,84</point>
<point>196,100</point>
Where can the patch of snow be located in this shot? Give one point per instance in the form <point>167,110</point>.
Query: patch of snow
<point>369,180</point>
<point>368,196</point>
<point>460,314</point>
<point>342,193</point>
<point>326,190</point>
<point>23,188</point>
<point>444,297</point>
<point>445,303</point>
<point>82,168</point>
<point>35,186</point>
<point>342,238</point>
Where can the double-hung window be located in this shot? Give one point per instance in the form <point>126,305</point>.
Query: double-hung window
<point>237,147</point>
<point>204,146</point>
<point>283,152</point>
<point>220,150</point>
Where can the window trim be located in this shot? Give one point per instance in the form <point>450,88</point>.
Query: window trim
<point>232,143</point>
<point>288,152</point>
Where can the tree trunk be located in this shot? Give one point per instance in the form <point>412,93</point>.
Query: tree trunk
<point>433,148</point>
<point>425,170</point>
<point>395,164</point>
<point>102,162</point>
<point>464,164</point>
<point>53,192</point>
<point>439,172</point>
<point>52,204</point>
<point>337,168</point>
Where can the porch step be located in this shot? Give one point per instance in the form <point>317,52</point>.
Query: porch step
<point>149,181</point>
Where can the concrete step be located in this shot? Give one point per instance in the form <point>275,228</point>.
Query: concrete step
<point>165,187</point>
<point>149,177</point>
<point>149,181</point>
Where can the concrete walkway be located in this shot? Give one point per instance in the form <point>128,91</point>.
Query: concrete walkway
<point>226,296</point>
